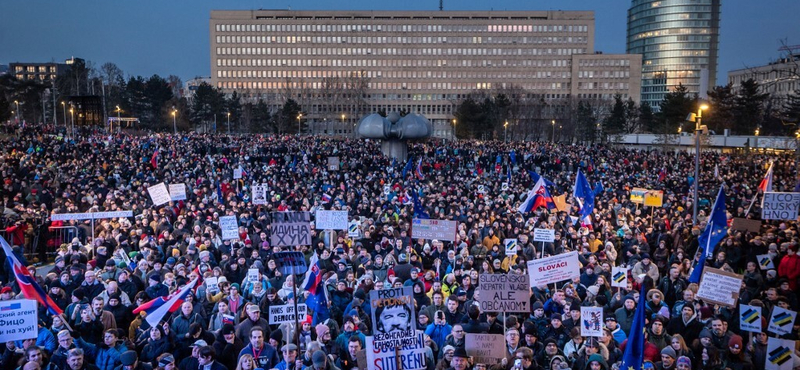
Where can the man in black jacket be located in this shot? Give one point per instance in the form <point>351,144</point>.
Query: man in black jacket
<point>473,326</point>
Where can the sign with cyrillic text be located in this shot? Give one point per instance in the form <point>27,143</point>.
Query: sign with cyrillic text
<point>18,320</point>
<point>289,229</point>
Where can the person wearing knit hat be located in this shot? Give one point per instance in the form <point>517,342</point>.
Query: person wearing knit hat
<point>321,330</point>
<point>683,363</point>
<point>668,357</point>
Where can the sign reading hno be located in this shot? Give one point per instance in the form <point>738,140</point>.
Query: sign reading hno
<point>780,206</point>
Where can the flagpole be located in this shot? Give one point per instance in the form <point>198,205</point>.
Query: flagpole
<point>753,201</point>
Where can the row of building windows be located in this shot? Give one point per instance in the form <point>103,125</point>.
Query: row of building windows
<point>605,74</point>
<point>604,62</point>
<point>603,85</point>
<point>420,74</point>
<point>672,24</point>
<point>516,28</point>
<point>38,76</point>
<point>34,69</point>
<point>702,46</point>
<point>430,63</point>
<point>467,86</point>
<point>394,51</point>
<point>637,12</point>
<point>668,17</point>
<point>672,31</point>
<point>400,40</point>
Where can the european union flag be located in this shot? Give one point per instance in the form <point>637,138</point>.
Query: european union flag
<point>535,178</point>
<point>419,210</point>
<point>584,192</point>
<point>633,358</point>
<point>407,167</point>
<point>715,231</point>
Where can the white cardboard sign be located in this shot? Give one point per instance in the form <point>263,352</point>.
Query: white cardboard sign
<point>592,321</point>
<point>619,277</point>
<point>750,318</point>
<point>544,235</point>
<point>781,321</point>
<point>177,192</point>
<point>285,313</point>
<point>330,220</point>
<point>780,206</point>
<point>159,194</point>
<point>230,227</point>
<point>18,320</point>
<point>511,246</point>
<point>553,269</point>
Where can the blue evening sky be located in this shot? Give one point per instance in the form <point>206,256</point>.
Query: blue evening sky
<point>145,37</point>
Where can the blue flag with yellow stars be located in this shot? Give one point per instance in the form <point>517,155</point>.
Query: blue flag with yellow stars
<point>714,232</point>
<point>634,349</point>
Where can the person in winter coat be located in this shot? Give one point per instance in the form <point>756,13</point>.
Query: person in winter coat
<point>349,327</point>
<point>439,330</point>
<point>789,267</point>
<point>228,346</point>
<point>223,316</point>
<point>645,266</point>
<point>658,335</point>
<point>736,358</point>
<point>340,297</point>
<point>686,324</point>
<point>106,354</point>
<point>180,324</point>
<point>156,345</point>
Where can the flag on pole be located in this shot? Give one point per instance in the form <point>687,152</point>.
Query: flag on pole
<point>633,358</point>
<point>418,171</point>
<point>714,232</point>
<point>158,308</point>
<point>313,275</point>
<point>535,177</point>
<point>27,284</point>
<point>537,197</point>
<point>662,175</point>
<point>766,183</point>
<point>585,195</point>
<point>419,210</point>
<point>407,167</point>
<point>154,159</point>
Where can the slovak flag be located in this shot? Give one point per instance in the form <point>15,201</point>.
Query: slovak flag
<point>662,174</point>
<point>313,275</point>
<point>326,198</point>
<point>27,284</point>
<point>537,197</point>
<point>158,308</point>
<point>766,183</point>
<point>418,171</point>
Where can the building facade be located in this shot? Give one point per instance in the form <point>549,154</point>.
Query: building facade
<point>39,71</point>
<point>341,65</point>
<point>780,78</point>
<point>678,41</point>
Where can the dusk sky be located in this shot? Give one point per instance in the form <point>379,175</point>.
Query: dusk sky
<point>164,37</point>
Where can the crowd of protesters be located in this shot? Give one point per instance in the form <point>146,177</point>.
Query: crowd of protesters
<point>101,275</point>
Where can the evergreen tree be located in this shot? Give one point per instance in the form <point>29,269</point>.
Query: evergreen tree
<point>674,109</point>
<point>469,116</point>
<point>646,118</point>
<point>632,114</point>
<point>722,106</point>
<point>614,124</point>
<point>233,106</point>
<point>586,122</point>
<point>749,108</point>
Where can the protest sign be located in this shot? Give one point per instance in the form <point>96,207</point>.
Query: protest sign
<point>353,229</point>
<point>592,321</point>
<point>333,163</point>
<point>765,261</point>
<point>412,356</point>
<point>637,195</point>
<point>90,215</point>
<point>511,246</point>
<point>504,293</point>
<point>285,313</point>
<point>393,317</point>
<point>653,198</point>
<point>781,321</point>
<point>780,206</point>
<point>481,189</point>
<point>750,318</point>
<point>330,220</point>
<point>486,349</point>
<point>159,194</point>
<point>553,269</point>
<point>619,277</point>
<point>779,354</point>
<point>433,229</point>
<point>387,189</point>
<point>720,287</point>
<point>291,263</point>
<point>743,224</point>
<point>212,285</point>
<point>290,229</point>
<point>504,186</point>
<point>544,235</point>
<point>177,192</point>
<point>237,173</point>
<point>229,226</point>
<point>18,320</point>
<point>252,275</point>
<point>258,194</point>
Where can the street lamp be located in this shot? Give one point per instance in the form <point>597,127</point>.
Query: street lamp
<point>505,134</point>
<point>229,123</point>
<point>64,109</point>
<point>697,128</point>
<point>17,115</point>
<point>553,122</point>
<point>72,121</point>
<point>299,115</point>
<point>758,130</point>
<point>174,126</point>
<point>119,120</point>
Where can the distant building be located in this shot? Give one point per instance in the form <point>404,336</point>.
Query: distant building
<point>3,69</point>
<point>779,78</point>
<point>679,43</point>
<point>341,65</point>
<point>39,71</point>
<point>191,85</point>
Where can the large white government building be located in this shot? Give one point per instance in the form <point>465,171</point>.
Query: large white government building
<point>341,65</point>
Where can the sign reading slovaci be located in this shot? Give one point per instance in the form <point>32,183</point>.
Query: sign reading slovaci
<point>159,194</point>
<point>411,356</point>
<point>330,220</point>
<point>553,269</point>
<point>720,287</point>
<point>229,227</point>
<point>393,317</point>
<point>780,206</point>
<point>285,313</point>
<point>504,293</point>
<point>290,229</point>
<point>18,320</point>
<point>433,229</point>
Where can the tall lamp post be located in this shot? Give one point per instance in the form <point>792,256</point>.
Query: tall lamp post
<point>16,103</point>
<point>505,133</point>
<point>299,115</point>
<point>697,129</point>
<point>454,128</point>
<point>174,125</point>
<point>344,129</point>
<point>64,109</point>
<point>553,122</point>
<point>229,123</point>
<point>119,120</point>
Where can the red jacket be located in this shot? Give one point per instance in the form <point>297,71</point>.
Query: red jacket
<point>790,269</point>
